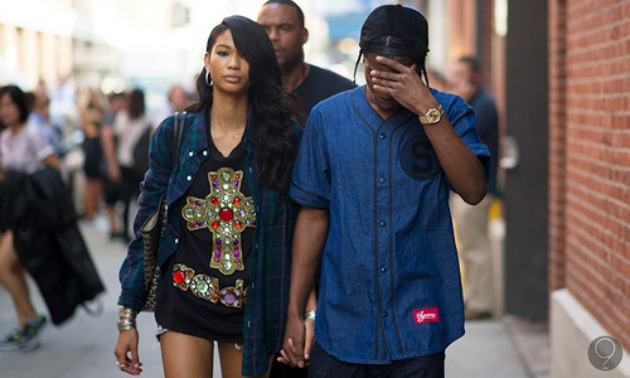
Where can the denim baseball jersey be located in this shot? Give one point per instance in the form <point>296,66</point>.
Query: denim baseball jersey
<point>390,284</point>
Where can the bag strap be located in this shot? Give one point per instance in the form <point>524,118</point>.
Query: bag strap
<point>178,132</point>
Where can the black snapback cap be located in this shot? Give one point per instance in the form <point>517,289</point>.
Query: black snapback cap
<point>394,30</point>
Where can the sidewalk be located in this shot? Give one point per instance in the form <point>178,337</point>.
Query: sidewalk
<point>83,348</point>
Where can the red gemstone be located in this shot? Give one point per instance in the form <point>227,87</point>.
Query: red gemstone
<point>237,261</point>
<point>237,201</point>
<point>215,224</point>
<point>178,277</point>
<point>237,177</point>
<point>238,224</point>
<point>226,214</point>
<point>215,201</point>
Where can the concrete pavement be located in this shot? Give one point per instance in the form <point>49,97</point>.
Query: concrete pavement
<point>83,347</point>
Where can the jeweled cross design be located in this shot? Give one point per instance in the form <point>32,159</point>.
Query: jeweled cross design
<point>226,212</point>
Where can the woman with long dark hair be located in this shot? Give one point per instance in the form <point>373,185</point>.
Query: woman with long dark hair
<point>25,150</point>
<point>225,254</point>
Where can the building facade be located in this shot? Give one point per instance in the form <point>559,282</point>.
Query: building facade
<point>589,192</point>
<point>560,71</point>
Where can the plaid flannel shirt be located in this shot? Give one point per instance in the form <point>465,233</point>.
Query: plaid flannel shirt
<point>268,292</point>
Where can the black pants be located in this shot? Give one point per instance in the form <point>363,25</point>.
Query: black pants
<point>323,365</point>
<point>280,370</point>
<point>130,191</point>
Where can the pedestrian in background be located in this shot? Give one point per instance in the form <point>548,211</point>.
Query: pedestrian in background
<point>283,21</point>
<point>94,166</point>
<point>113,181</point>
<point>471,222</point>
<point>373,175</point>
<point>178,99</point>
<point>40,116</point>
<point>130,125</point>
<point>225,254</point>
<point>24,149</point>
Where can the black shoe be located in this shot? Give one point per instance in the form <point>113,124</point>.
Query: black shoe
<point>24,339</point>
<point>31,333</point>
<point>12,341</point>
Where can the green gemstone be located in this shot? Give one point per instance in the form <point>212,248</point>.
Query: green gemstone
<point>227,265</point>
<point>189,213</point>
<point>202,286</point>
<point>225,176</point>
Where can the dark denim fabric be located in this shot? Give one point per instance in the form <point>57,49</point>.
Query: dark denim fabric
<point>390,284</point>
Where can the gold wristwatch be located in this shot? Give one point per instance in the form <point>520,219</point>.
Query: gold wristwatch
<point>433,116</point>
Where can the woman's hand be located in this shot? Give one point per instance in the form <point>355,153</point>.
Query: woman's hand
<point>309,337</point>
<point>126,352</point>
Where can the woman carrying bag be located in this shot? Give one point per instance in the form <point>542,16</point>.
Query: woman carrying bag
<point>24,150</point>
<point>225,253</point>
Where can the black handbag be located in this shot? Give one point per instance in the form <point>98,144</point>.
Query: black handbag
<point>154,227</point>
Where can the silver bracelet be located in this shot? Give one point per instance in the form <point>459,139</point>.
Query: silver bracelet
<point>125,325</point>
<point>309,315</point>
<point>127,312</point>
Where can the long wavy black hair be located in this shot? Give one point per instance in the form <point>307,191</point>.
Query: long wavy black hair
<point>275,140</point>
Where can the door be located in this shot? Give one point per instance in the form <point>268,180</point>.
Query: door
<point>525,190</point>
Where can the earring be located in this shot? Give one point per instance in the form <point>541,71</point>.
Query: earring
<point>209,81</point>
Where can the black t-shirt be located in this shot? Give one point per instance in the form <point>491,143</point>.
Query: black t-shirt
<point>319,85</point>
<point>198,307</point>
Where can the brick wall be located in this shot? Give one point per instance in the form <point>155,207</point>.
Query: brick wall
<point>557,142</point>
<point>590,157</point>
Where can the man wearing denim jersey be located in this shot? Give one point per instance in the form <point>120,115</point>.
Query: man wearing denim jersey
<point>373,175</point>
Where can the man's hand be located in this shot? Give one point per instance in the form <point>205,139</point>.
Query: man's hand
<point>403,84</point>
<point>293,348</point>
<point>309,327</point>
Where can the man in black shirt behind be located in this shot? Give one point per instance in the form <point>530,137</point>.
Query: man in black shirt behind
<point>284,22</point>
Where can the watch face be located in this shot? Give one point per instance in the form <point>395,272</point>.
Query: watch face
<point>433,115</point>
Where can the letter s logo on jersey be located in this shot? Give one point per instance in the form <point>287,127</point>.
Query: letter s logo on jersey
<point>418,159</point>
<point>426,315</point>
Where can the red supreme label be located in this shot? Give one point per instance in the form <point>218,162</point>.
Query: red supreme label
<point>426,315</point>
